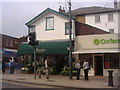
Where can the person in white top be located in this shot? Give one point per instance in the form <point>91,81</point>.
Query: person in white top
<point>77,67</point>
<point>47,68</point>
<point>86,69</point>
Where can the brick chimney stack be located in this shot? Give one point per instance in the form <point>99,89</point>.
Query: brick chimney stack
<point>61,11</point>
<point>115,4</point>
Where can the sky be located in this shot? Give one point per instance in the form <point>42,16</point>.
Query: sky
<point>15,13</point>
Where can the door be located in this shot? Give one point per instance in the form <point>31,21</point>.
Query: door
<point>98,65</point>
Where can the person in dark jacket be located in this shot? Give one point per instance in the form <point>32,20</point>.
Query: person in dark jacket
<point>3,66</point>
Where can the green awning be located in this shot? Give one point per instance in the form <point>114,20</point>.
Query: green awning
<point>45,48</point>
<point>24,48</point>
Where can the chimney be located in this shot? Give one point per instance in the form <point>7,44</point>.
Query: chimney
<point>63,11</point>
<point>115,4</point>
<point>60,9</point>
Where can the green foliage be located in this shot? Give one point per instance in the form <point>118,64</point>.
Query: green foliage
<point>39,64</point>
<point>27,69</point>
<point>65,71</point>
<point>53,70</point>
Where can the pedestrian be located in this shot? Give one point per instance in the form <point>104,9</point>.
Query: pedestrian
<point>12,65</point>
<point>86,69</point>
<point>77,68</point>
<point>47,68</point>
<point>3,66</point>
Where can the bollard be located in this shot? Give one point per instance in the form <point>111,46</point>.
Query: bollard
<point>110,79</point>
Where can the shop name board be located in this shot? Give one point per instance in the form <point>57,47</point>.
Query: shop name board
<point>105,41</point>
<point>40,50</point>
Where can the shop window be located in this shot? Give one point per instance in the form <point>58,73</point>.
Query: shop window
<point>111,61</point>
<point>89,57</point>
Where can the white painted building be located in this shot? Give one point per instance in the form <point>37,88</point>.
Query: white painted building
<point>107,21</point>
<point>52,32</point>
<point>51,25</point>
<point>101,17</point>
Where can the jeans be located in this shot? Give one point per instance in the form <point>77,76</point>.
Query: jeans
<point>11,69</point>
<point>78,73</point>
<point>86,74</point>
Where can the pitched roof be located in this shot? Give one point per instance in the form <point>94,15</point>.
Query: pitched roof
<point>44,12</point>
<point>92,10</point>
<point>85,29</point>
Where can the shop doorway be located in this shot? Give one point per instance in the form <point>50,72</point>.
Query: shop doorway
<point>98,65</point>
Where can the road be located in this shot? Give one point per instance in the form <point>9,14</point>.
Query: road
<point>7,85</point>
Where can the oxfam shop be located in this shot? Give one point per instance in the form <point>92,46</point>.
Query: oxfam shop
<point>102,52</point>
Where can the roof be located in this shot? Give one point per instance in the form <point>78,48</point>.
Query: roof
<point>44,12</point>
<point>92,10</point>
<point>85,29</point>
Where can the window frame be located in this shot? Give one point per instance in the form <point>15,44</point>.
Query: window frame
<point>66,28</point>
<point>112,30</point>
<point>46,27</point>
<point>11,43</point>
<point>109,18</point>
<point>29,28</point>
<point>97,19</point>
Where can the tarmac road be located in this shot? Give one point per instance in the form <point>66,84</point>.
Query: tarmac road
<point>7,85</point>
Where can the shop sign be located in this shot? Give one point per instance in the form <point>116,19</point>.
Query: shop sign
<point>105,41</point>
<point>40,50</point>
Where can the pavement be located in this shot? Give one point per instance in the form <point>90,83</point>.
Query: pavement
<point>95,82</point>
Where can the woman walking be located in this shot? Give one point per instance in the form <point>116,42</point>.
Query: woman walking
<point>86,69</point>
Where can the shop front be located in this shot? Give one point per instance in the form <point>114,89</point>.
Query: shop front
<point>102,52</point>
<point>56,51</point>
<point>8,53</point>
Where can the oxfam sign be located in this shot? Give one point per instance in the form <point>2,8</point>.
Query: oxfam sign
<point>104,41</point>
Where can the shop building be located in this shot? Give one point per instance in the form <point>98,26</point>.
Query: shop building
<point>101,50</point>
<point>104,18</point>
<point>8,46</point>
<point>52,32</point>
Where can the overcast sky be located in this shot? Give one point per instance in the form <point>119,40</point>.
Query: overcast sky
<point>15,13</point>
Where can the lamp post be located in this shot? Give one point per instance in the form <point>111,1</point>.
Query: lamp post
<point>70,42</point>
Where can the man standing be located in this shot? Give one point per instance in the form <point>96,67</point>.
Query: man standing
<point>12,65</point>
<point>77,67</point>
<point>47,68</point>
